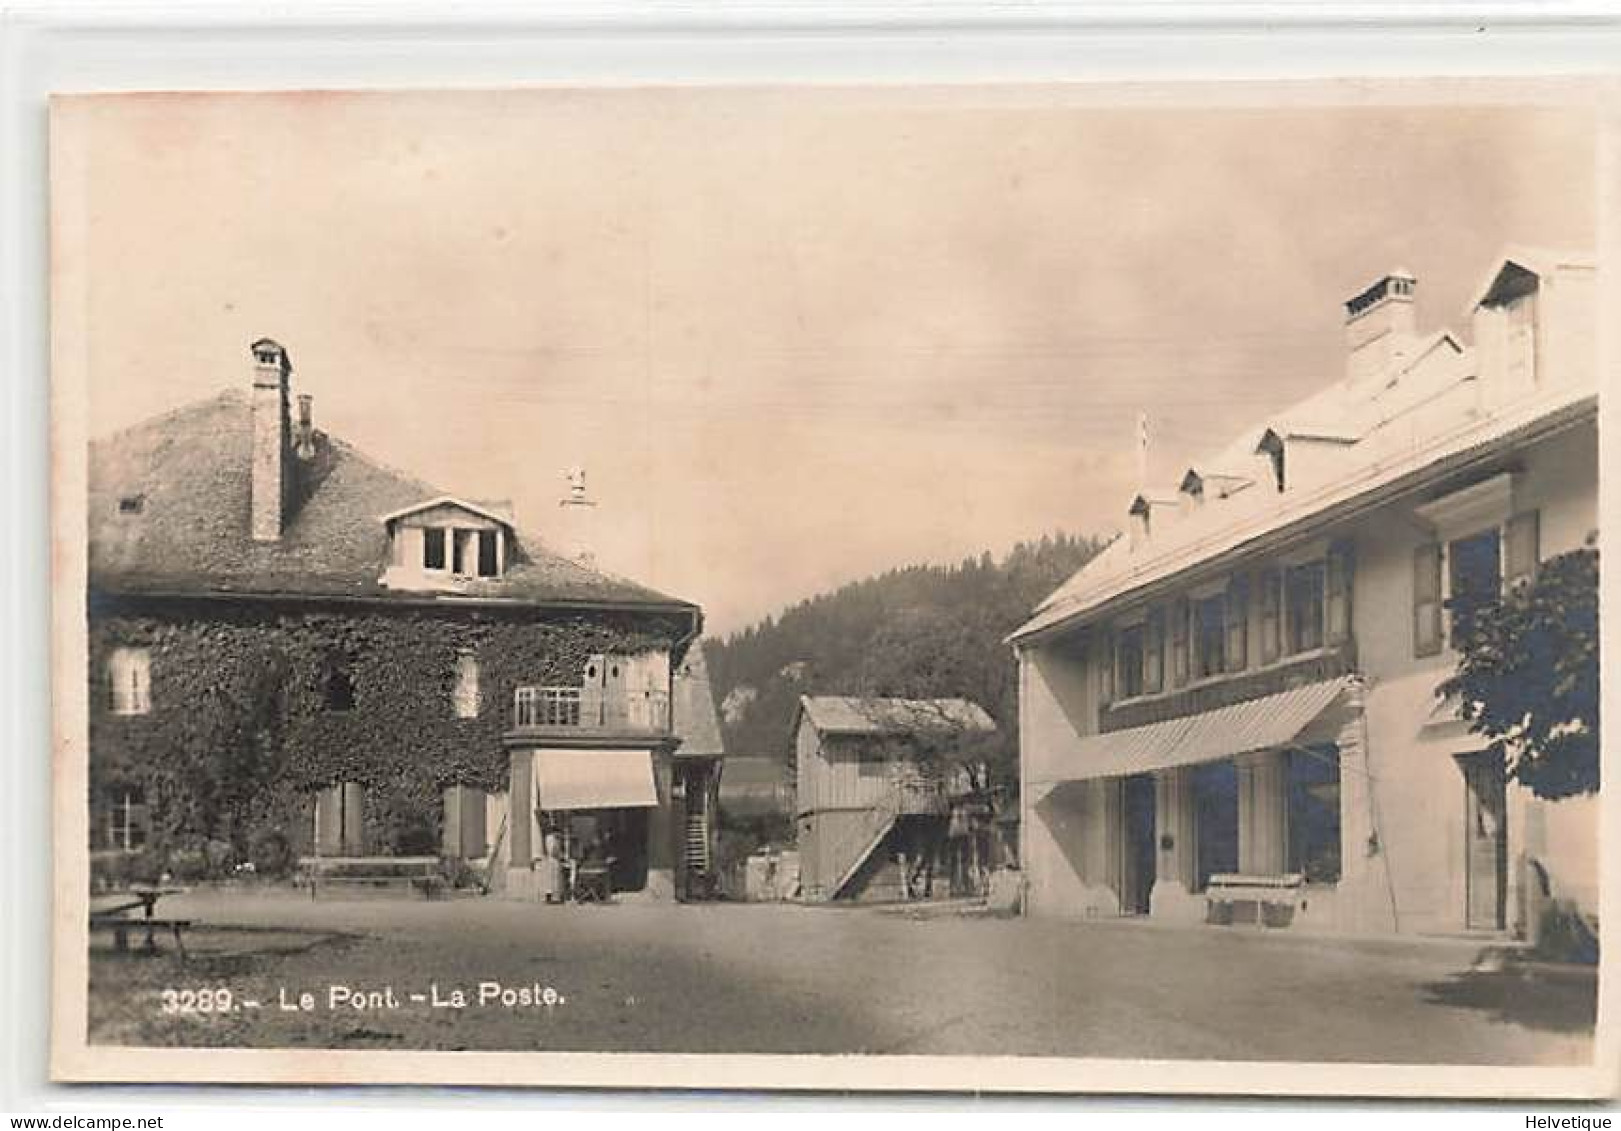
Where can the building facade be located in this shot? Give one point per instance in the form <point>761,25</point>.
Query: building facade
<point>1230,715</point>
<point>289,640</point>
<point>872,789</point>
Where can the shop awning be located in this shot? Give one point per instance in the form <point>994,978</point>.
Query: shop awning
<point>594,779</point>
<point>1226,732</point>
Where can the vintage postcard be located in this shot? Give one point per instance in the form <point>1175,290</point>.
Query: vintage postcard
<point>1030,588</point>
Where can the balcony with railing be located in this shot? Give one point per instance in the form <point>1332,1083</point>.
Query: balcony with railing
<point>578,711</point>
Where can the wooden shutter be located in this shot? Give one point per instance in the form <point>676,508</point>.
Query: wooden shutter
<point>354,819</point>
<point>1238,624</point>
<point>1337,608</point>
<point>329,821</point>
<point>1427,599</point>
<point>1521,550</point>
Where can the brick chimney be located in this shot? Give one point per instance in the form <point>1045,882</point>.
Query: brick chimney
<point>1379,325</point>
<point>272,434</point>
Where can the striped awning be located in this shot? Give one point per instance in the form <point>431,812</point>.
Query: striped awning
<point>1226,732</point>
<point>594,779</point>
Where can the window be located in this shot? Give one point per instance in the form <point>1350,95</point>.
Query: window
<point>1154,653</point>
<point>338,685</point>
<point>1314,813</point>
<point>1427,600</point>
<point>1271,585</point>
<point>464,697</point>
<point>1476,575</point>
<point>1106,663</point>
<point>132,504</point>
<point>1303,607</point>
<point>489,560</point>
<point>129,671</point>
<point>1179,642</point>
<point>126,821</point>
<point>1238,626</point>
<point>433,547</point>
<point>1210,636</point>
<point>1128,652</point>
<point>1337,614</point>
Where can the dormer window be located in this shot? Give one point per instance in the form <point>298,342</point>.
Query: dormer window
<point>444,542</point>
<point>1271,446</point>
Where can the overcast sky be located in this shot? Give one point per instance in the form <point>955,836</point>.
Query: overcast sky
<point>794,339</point>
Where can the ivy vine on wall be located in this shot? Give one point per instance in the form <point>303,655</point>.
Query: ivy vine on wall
<point>240,734</point>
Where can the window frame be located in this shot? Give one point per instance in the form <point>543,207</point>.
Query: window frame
<point>1319,567</point>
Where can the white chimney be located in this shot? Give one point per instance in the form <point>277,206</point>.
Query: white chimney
<point>576,517</point>
<point>271,434</point>
<point>1379,325</point>
<point>304,434</point>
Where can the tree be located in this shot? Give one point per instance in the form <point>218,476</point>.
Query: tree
<point>1528,676</point>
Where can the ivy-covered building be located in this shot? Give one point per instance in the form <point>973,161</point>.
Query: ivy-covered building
<point>290,640</point>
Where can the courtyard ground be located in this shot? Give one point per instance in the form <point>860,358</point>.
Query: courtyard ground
<point>789,979</point>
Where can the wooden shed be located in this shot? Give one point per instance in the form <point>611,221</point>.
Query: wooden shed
<point>869,788</point>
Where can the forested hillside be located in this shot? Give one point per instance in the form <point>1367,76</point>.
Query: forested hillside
<point>919,631</point>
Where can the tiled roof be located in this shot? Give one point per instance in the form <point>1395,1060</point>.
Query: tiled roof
<point>836,714</point>
<point>1421,415</point>
<point>185,528</point>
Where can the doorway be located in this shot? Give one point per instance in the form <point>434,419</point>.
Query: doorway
<point>1485,841</point>
<point>1138,805</point>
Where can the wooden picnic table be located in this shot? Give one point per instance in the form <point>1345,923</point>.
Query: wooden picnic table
<point>146,897</point>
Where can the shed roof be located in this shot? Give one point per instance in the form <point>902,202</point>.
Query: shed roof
<point>189,532</point>
<point>837,714</point>
<point>697,723</point>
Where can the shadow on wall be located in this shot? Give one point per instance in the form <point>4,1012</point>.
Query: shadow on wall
<point>1540,996</point>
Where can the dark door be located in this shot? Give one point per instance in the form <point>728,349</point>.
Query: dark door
<point>1139,849</point>
<point>1485,841</point>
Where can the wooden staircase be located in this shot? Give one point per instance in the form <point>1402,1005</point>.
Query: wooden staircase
<point>697,843</point>
<point>874,832</point>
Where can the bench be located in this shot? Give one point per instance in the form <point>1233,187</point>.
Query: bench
<point>121,925</point>
<point>1265,901</point>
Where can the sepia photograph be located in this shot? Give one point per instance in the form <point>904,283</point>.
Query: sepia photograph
<point>973,585</point>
